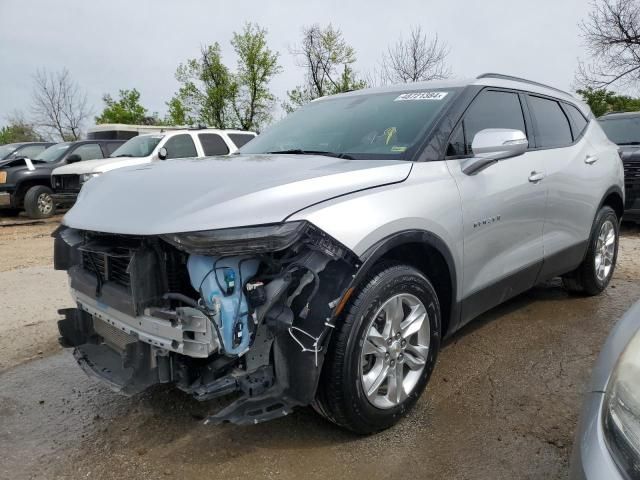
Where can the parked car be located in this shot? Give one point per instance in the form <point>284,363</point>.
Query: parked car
<point>326,262</point>
<point>148,148</point>
<point>12,151</point>
<point>26,184</point>
<point>624,130</point>
<point>607,445</point>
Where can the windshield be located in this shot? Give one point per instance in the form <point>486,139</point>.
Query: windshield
<point>371,126</point>
<point>623,131</point>
<point>6,150</point>
<point>53,153</point>
<point>141,146</point>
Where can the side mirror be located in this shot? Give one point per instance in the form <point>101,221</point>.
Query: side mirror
<point>162,153</point>
<point>73,158</point>
<point>494,144</point>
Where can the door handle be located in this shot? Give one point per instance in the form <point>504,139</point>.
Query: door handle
<point>535,177</point>
<point>590,159</point>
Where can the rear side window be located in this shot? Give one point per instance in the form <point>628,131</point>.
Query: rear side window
<point>550,122</point>
<point>213,144</point>
<point>88,151</point>
<point>578,122</point>
<point>30,151</point>
<point>180,146</point>
<point>491,109</point>
<point>239,139</point>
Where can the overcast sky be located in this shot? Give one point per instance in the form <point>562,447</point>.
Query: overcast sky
<point>121,44</point>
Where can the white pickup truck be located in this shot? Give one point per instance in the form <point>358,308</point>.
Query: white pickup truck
<point>142,149</point>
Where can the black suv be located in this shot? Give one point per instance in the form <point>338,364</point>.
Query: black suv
<point>26,183</point>
<point>623,129</point>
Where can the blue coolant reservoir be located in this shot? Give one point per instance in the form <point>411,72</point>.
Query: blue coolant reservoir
<point>227,291</point>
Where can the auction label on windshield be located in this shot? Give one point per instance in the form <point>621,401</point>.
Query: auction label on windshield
<point>421,96</point>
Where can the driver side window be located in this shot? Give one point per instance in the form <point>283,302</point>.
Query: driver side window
<point>491,109</point>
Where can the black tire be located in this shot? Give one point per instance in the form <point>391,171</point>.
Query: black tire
<point>584,279</point>
<point>341,397</point>
<point>38,202</point>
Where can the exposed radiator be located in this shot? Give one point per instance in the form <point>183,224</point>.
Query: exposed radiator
<point>113,337</point>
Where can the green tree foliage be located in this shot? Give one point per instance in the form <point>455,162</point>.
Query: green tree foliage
<point>206,91</point>
<point>127,109</point>
<point>328,62</point>
<point>18,131</point>
<point>602,101</point>
<point>177,113</point>
<point>257,65</point>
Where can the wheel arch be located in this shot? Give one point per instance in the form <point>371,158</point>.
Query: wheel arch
<point>614,198</point>
<point>24,185</point>
<point>428,253</point>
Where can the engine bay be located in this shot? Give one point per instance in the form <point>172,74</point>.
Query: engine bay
<point>156,310</point>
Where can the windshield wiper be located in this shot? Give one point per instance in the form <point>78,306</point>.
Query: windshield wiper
<point>629,143</point>
<point>123,155</point>
<point>298,151</point>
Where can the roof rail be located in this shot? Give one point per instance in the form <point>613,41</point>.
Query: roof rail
<point>519,79</point>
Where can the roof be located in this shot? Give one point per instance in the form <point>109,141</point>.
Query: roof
<point>187,130</point>
<point>486,79</point>
<point>130,128</point>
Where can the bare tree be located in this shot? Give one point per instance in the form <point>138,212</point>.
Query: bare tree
<point>612,37</point>
<point>415,59</point>
<point>59,105</point>
<point>328,63</point>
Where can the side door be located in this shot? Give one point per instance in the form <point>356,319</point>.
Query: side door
<point>574,175</point>
<point>180,146</point>
<point>86,151</point>
<point>213,144</point>
<point>502,207</point>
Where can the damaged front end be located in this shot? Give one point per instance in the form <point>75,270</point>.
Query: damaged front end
<point>244,310</point>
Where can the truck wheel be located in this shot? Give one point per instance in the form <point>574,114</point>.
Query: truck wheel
<point>595,272</point>
<point>383,351</point>
<point>38,202</point>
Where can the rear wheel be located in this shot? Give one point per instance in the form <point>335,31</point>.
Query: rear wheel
<point>383,352</point>
<point>38,202</point>
<point>595,272</point>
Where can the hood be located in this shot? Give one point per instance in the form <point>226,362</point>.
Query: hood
<point>25,163</point>
<point>99,166</point>
<point>221,192</point>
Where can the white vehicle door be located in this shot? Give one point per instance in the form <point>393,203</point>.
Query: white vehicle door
<point>213,144</point>
<point>181,146</point>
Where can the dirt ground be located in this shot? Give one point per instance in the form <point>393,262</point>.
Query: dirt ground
<point>503,401</point>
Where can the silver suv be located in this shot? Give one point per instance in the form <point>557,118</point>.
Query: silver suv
<point>324,264</point>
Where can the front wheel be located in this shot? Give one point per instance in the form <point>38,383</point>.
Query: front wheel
<point>383,352</point>
<point>38,202</point>
<point>595,272</point>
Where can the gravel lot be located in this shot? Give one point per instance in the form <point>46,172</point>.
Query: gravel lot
<point>503,401</point>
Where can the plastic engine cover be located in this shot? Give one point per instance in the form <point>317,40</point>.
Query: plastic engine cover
<point>229,277</point>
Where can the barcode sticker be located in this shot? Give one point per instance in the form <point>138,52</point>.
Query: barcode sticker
<point>421,96</point>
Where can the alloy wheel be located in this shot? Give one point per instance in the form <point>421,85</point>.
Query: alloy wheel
<point>605,251</point>
<point>395,350</point>
<point>45,203</point>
